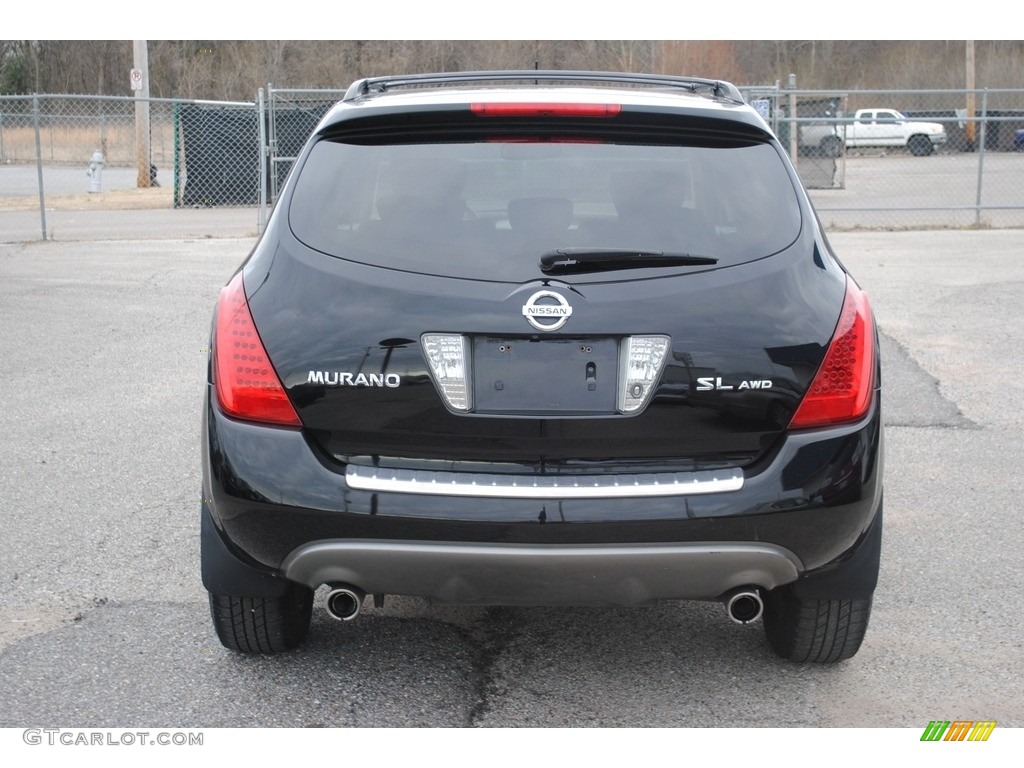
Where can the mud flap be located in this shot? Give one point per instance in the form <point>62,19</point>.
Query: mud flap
<point>225,574</point>
<point>854,577</point>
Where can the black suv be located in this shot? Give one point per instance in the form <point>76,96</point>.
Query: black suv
<point>543,338</point>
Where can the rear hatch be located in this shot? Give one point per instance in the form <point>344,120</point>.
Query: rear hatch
<point>570,291</point>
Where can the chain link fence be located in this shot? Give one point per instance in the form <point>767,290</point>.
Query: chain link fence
<point>293,113</point>
<point>89,153</point>
<point>904,159</point>
<point>864,155</point>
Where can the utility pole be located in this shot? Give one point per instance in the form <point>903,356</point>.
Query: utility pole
<point>794,130</point>
<point>142,156</point>
<point>969,127</point>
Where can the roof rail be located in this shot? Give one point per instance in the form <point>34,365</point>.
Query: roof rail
<point>368,86</point>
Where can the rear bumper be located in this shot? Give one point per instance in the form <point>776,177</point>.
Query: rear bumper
<point>278,505</point>
<point>511,574</point>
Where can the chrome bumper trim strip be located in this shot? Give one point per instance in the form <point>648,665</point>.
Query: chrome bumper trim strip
<point>485,485</point>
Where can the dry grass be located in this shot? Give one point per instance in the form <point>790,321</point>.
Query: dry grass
<point>115,200</point>
<point>74,143</point>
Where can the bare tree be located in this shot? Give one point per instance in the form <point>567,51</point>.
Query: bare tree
<point>235,69</point>
<point>702,58</point>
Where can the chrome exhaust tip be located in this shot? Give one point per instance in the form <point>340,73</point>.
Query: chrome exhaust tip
<point>744,606</point>
<point>344,602</point>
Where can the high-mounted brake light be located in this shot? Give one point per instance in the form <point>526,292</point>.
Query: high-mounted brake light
<point>544,140</point>
<point>842,388</point>
<point>544,109</point>
<point>247,384</point>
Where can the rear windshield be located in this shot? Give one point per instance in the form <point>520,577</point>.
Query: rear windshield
<point>489,210</point>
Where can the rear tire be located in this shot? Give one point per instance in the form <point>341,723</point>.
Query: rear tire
<point>816,631</point>
<point>262,624</point>
<point>919,145</point>
<point>830,146</point>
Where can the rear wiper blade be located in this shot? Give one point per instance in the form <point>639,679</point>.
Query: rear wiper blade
<point>564,260</point>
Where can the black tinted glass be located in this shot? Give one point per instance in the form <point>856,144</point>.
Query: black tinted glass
<point>488,210</point>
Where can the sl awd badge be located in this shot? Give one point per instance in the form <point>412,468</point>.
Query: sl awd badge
<point>546,310</point>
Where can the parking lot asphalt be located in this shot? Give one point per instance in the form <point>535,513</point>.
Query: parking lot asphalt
<point>25,226</point>
<point>104,621</point>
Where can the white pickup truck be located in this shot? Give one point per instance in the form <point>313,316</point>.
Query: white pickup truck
<point>875,128</point>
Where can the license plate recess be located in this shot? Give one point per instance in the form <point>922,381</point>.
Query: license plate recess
<point>540,377</point>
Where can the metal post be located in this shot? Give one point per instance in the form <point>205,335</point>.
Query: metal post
<point>263,155</point>
<point>103,131</point>
<point>775,108</point>
<point>39,163</point>
<point>794,127</point>
<point>981,156</point>
<point>272,148</point>
<point>176,109</point>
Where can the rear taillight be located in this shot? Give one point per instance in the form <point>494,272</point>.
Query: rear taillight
<point>842,388</point>
<point>246,382</point>
<point>544,109</point>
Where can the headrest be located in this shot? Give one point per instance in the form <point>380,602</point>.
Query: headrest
<point>638,192</point>
<point>428,176</point>
<point>547,214</point>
